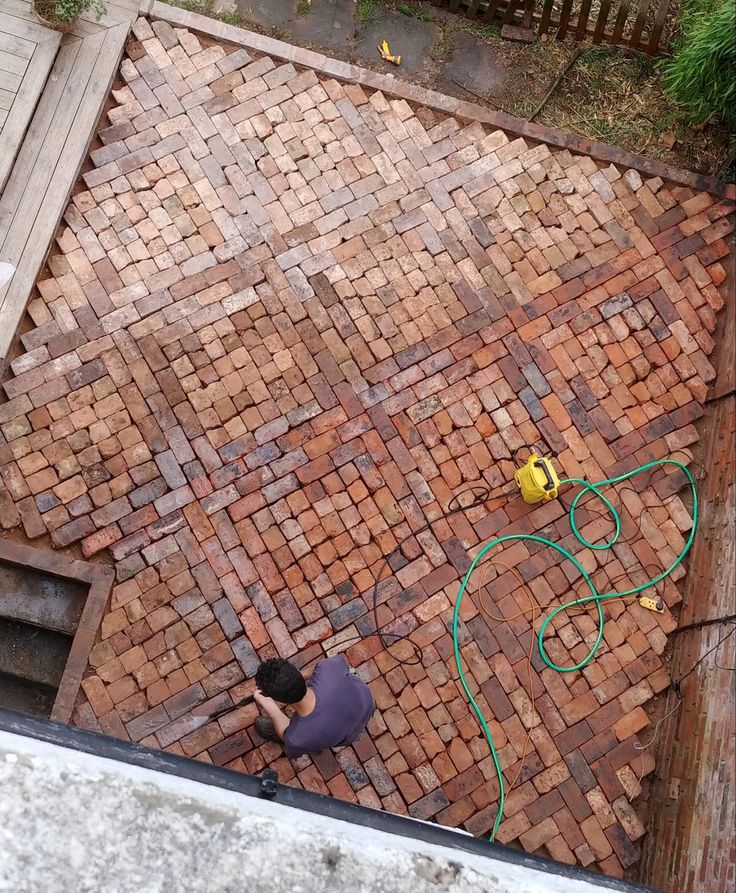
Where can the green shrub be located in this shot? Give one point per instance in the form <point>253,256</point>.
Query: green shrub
<point>66,11</point>
<point>700,77</point>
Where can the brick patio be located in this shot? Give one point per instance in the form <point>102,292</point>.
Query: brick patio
<point>286,322</point>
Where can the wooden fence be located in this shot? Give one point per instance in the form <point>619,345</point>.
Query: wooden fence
<point>638,24</point>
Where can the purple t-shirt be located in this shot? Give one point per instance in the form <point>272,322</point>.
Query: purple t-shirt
<point>343,706</point>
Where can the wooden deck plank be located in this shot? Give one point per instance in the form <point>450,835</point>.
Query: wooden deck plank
<point>17,46</point>
<point>12,64</point>
<point>21,28</point>
<point>9,81</point>
<point>18,97</point>
<point>49,125</point>
<point>39,177</point>
<point>113,16</point>
<point>20,8</point>
<point>87,27</point>
<point>33,146</point>
<point>36,211</point>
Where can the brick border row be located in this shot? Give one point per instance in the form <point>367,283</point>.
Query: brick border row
<point>450,105</point>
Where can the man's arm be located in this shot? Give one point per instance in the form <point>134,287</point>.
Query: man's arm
<point>277,716</point>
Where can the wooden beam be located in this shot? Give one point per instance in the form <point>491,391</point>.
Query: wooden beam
<point>509,13</point>
<point>658,25</point>
<point>25,89</point>
<point>564,19</point>
<point>618,28</point>
<point>600,25</point>
<point>546,16</point>
<point>583,20</point>
<point>39,185</point>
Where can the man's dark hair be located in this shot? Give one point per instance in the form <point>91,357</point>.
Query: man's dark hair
<point>280,680</point>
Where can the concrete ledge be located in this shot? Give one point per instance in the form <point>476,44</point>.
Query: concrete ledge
<point>450,105</point>
<point>126,813</point>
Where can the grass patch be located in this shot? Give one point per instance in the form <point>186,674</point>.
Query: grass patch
<point>303,7</point>
<point>413,12</point>
<point>366,11</point>
<point>213,10</point>
<point>231,17</point>
<point>619,97</point>
<point>203,7</point>
<point>443,47</point>
<point>491,31</point>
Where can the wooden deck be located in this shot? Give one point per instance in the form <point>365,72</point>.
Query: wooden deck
<point>62,97</point>
<point>27,52</point>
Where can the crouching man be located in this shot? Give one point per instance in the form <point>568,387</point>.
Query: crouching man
<point>331,710</point>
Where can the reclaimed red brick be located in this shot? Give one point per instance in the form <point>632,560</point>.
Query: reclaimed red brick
<point>253,438</point>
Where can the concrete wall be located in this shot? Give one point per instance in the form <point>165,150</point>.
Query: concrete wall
<point>76,821</point>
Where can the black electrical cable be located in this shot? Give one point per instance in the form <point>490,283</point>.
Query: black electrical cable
<point>723,638</point>
<point>479,494</point>
<point>471,497</point>
<point>699,624</point>
<point>676,687</point>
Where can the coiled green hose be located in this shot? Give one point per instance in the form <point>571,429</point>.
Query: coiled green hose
<point>595,596</point>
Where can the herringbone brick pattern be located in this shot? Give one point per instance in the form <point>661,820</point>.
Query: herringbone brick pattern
<point>286,322</point>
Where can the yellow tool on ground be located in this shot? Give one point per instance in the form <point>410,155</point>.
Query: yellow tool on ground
<point>537,480</point>
<point>652,604</point>
<point>386,55</point>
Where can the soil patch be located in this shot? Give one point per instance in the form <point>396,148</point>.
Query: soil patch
<point>617,97</point>
<point>610,94</point>
<point>412,39</point>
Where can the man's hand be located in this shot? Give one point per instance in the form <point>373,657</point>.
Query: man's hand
<point>277,716</point>
<point>268,705</point>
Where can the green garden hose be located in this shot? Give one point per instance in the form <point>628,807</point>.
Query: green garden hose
<point>595,596</point>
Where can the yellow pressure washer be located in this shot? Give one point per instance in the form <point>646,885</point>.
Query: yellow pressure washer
<point>537,480</point>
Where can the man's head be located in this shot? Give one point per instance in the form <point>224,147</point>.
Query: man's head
<point>280,680</point>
